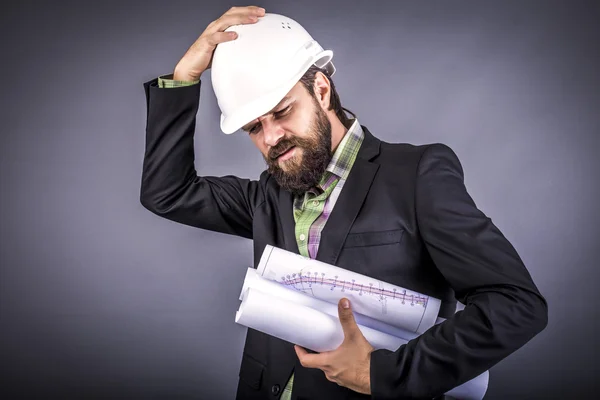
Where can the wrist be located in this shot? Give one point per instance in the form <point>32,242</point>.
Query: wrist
<point>182,74</point>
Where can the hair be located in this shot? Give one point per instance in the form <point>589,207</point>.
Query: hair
<point>308,80</point>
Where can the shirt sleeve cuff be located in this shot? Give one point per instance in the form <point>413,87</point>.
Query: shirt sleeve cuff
<point>166,81</point>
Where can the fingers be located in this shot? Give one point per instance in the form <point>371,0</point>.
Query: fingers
<point>309,360</point>
<point>347,320</point>
<point>214,33</point>
<point>235,19</point>
<point>246,10</point>
<point>220,37</point>
<point>237,16</point>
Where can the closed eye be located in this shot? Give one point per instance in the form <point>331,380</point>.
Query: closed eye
<point>282,113</point>
<point>254,128</point>
<point>279,114</point>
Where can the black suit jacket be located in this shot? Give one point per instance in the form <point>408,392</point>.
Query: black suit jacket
<point>404,217</point>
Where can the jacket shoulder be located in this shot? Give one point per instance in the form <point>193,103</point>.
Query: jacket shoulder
<point>411,153</point>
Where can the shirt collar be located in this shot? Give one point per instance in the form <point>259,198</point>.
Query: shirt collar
<point>340,162</point>
<point>342,159</point>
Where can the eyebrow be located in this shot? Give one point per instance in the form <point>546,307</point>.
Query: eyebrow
<point>249,125</point>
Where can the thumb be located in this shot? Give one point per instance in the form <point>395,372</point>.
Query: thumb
<point>347,319</point>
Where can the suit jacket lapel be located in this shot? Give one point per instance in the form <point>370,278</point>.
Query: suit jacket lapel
<point>346,208</point>
<point>350,200</point>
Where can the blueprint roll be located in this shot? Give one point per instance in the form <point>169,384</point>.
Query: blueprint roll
<point>255,281</point>
<point>318,331</point>
<point>302,325</point>
<point>391,304</point>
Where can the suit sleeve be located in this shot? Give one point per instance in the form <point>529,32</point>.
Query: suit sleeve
<point>170,186</point>
<point>503,307</point>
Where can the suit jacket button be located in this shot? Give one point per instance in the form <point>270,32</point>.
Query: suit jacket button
<point>275,389</point>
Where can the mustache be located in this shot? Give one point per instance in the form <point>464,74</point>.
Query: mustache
<point>281,148</point>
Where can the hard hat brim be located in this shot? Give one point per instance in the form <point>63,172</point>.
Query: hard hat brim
<point>266,103</point>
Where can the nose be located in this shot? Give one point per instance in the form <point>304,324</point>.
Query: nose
<point>272,132</point>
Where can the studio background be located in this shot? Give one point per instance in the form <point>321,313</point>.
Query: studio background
<point>99,298</point>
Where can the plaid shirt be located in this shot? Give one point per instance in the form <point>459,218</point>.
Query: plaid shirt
<point>313,209</point>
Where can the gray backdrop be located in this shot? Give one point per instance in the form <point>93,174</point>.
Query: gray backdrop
<point>99,298</point>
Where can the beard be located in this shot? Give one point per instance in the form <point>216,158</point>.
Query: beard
<point>297,176</point>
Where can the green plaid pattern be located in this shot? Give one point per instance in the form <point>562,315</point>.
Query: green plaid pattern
<point>312,210</point>
<point>166,81</point>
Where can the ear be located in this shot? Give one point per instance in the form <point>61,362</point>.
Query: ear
<point>322,88</point>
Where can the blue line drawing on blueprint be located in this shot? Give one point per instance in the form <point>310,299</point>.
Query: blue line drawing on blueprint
<point>389,303</point>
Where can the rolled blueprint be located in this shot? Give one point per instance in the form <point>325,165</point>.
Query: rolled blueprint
<point>302,325</point>
<point>253,280</point>
<point>391,304</point>
<point>318,331</point>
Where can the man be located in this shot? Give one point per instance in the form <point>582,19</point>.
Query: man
<point>334,192</point>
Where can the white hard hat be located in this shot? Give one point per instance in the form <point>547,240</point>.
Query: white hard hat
<point>251,74</point>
